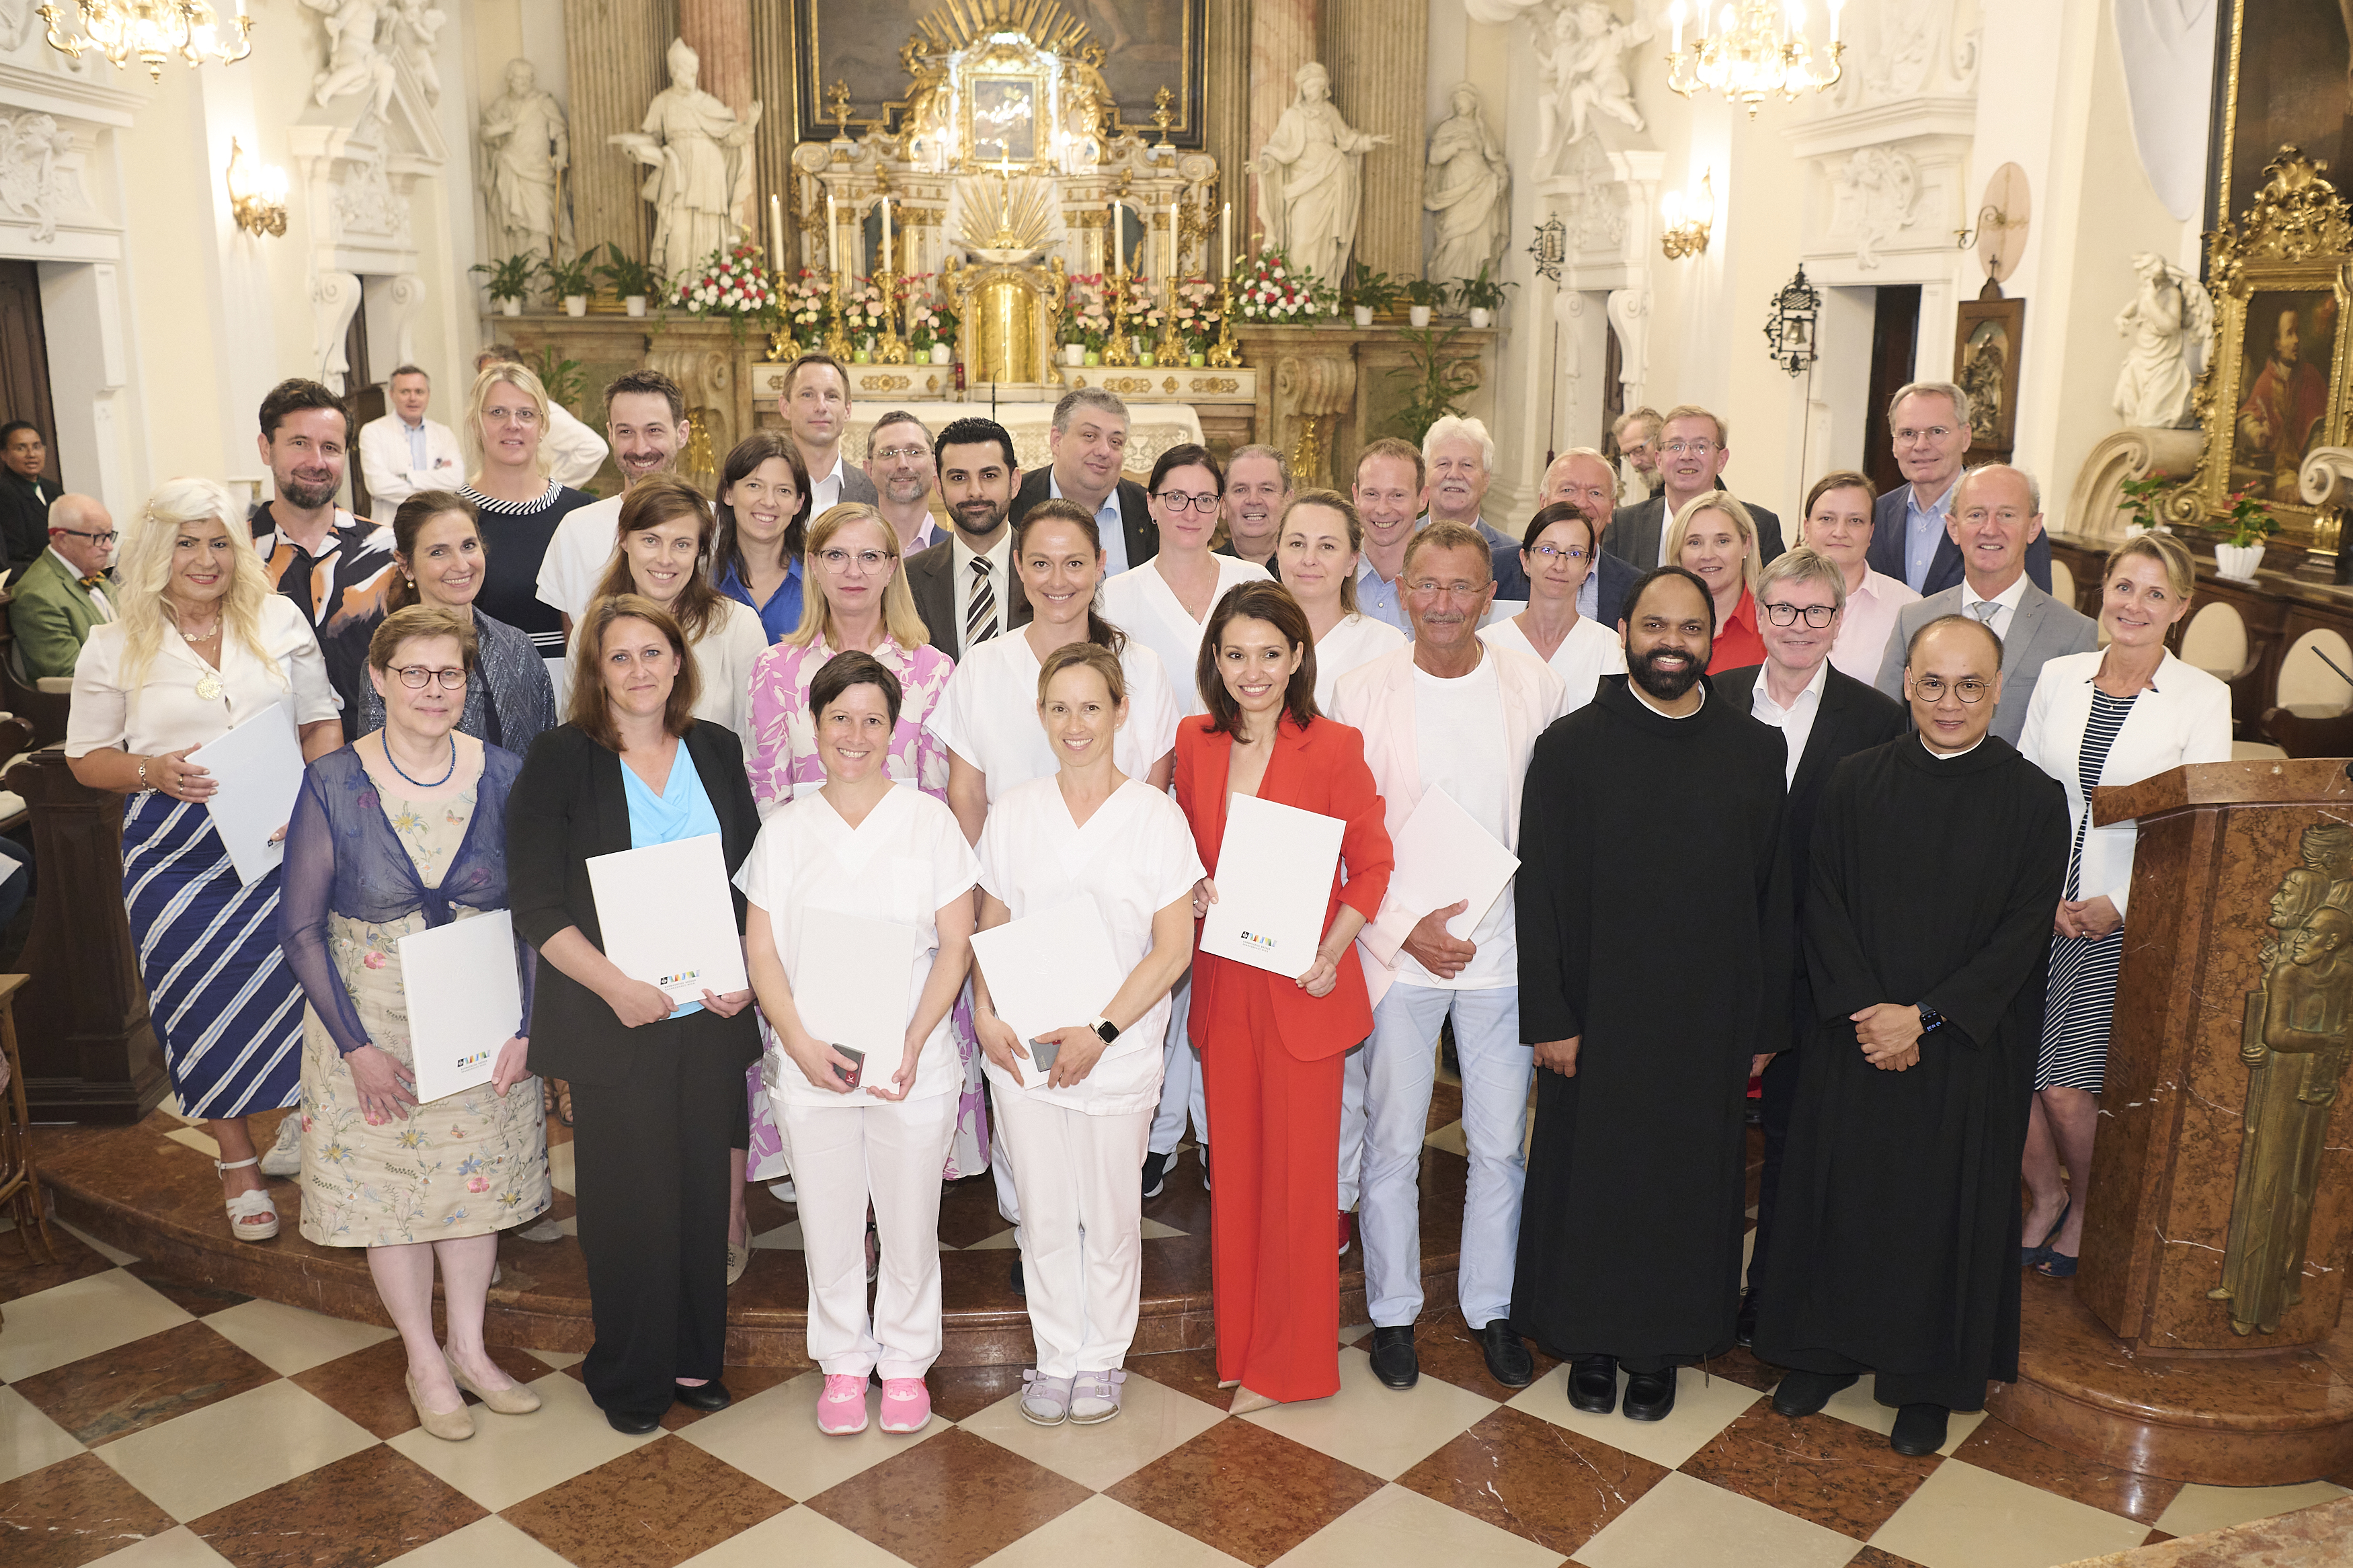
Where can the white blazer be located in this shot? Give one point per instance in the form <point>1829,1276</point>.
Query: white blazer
<point>2183,717</point>
<point>392,476</point>
<point>1376,698</point>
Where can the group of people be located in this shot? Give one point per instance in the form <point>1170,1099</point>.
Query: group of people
<point>1050,691</point>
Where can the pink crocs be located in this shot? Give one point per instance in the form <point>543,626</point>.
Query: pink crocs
<point>906,1404</point>
<point>841,1408</point>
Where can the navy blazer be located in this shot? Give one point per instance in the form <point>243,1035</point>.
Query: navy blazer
<point>1886,554</point>
<point>1143,535</point>
<point>1616,579</point>
<point>1633,531</point>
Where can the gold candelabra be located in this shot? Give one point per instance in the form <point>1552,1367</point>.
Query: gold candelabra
<point>836,337</point>
<point>1224,354</point>
<point>889,347</point>
<point>1120,349</point>
<point>1169,347</point>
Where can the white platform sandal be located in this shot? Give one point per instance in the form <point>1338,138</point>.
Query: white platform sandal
<point>252,1217</point>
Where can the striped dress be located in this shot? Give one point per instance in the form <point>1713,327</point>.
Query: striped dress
<point>2083,969</point>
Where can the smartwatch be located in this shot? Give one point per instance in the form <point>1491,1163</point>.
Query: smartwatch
<point>1930,1019</point>
<point>1105,1028</point>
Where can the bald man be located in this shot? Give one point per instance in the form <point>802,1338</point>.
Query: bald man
<point>57,600</point>
<point>1579,476</point>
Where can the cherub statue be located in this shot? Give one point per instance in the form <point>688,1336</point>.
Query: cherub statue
<point>1581,73</point>
<point>1092,106</point>
<point>927,96</point>
<point>353,61</point>
<point>2169,322</point>
<point>414,25</point>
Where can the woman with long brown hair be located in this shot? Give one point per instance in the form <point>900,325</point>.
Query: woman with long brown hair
<point>764,515</point>
<point>662,551</point>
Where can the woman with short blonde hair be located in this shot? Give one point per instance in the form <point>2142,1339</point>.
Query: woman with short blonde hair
<point>518,505</point>
<point>1714,538</point>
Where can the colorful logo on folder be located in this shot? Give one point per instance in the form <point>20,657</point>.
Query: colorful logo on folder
<point>1259,939</point>
<point>474,1061</point>
<point>680,978</point>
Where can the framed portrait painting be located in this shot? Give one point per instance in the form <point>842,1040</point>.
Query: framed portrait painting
<point>1987,338</point>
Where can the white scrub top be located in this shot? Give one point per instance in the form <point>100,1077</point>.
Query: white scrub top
<point>1356,640</point>
<point>988,714</point>
<point>901,865</point>
<point>1134,857</point>
<point>1589,652</point>
<point>1142,604</point>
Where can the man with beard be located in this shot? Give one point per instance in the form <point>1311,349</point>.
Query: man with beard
<point>965,587</point>
<point>331,563</point>
<point>645,415</point>
<point>25,495</point>
<point>1258,489</point>
<point>1897,1234</point>
<point>1654,963</point>
<point>899,461</point>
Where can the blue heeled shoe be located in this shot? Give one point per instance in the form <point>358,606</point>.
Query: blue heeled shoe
<point>2035,1257</point>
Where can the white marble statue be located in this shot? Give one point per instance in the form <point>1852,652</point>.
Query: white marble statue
<point>700,155</point>
<point>1582,75</point>
<point>416,23</point>
<point>1466,187</point>
<point>1311,185</point>
<point>354,63</point>
<point>525,149</point>
<point>2170,324</point>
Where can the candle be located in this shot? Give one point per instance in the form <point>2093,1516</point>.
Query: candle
<point>886,234</point>
<point>1119,237</point>
<point>832,237</point>
<point>1226,242</point>
<point>775,234</point>
<point>1176,241</point>
<point>1835,4</point>
<point>1675,14</point>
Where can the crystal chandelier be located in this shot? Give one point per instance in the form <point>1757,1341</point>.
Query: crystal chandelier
<point>1757,50</point>
<point>151,31</point>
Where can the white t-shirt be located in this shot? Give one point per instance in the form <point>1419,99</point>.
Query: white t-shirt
<point>988,714</point>
<point>1354,641</point>
<point>1134,857</point>
<point>1142,604</point>
<point>730,645</point>
<point>901,865</point>
<point>1459,747</point>
<point>167,712</point>
<point>1589,652</point>
<point>579,555</point>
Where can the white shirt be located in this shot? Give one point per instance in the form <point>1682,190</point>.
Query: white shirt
<point>165,713</point>
<point>988,714</point>
<point>826,491</point>
<point>1134,857</point>
<point>999,557</point>
<point>2007,603</point>
<point>902,865</point>
<point>1353,642</point>
<point>1795,721</point>
<point>578,556</point>
<point>1587,653</point>
<point>1459,747</point>
<point>1111,523</point>
<point>732,644</point>
<point>1142,604</point>
<point>396,466</point>
<point>1868,622</point>
<point>1643,698</point>
<point>575,451</point>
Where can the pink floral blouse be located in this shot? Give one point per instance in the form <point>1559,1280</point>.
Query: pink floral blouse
<point>784,758</point>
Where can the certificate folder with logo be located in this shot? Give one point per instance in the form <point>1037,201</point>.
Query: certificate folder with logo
<point>1274,881</point>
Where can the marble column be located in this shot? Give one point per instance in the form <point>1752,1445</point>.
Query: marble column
<point>1226,106</point>
<point>720,32</point>
<point>1282,37</point>
<point>613,64</point>
<point>775,84</point>
<point>1378,55</point>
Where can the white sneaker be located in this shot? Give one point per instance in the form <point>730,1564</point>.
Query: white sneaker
<point>543,1229</point>
<point>783,1191</point>
<point>284,1157</point>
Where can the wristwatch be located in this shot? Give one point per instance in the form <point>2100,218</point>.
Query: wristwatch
<point>1930,1019</point>
<point>1105,1028</point>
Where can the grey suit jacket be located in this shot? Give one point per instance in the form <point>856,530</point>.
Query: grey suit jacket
<point>931,577</point>
<point>2040,629</point>
<point>1633,532</point>
<point>856,486</point>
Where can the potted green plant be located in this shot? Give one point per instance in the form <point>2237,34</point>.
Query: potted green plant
<point>632,281</point>
<point>2140,504</point>
<point>572,281</point>
<point>1422,297</point>
<point>1482,296</point>
<point>509,280</point>
<point>1369,293</point>
<point>1441,378</point>
<point>2248,524</point>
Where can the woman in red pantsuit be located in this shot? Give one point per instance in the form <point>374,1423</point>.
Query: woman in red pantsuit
<point>1271,1046</point>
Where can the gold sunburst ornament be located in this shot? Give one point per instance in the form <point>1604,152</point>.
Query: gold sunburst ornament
<point>151,31</point>
<point>1005,219</point>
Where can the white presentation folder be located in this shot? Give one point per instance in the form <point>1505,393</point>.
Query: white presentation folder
<point>1048,970</point>
<point>259,766</point>
<point>668,917</point>
<point>1442,856</point>
<point>465,1001</point>
<point>853,986</point>
<point>1274,881</point>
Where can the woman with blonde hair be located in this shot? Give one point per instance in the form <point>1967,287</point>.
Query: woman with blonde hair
<point>519,505</point>
<point>662,549</point>
<point>199,645</point>
<point>1714,538</point>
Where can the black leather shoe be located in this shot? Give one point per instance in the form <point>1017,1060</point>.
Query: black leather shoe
<point>1744,1327</point>
<point>1593,1384</point>
<point>704,1396</point>
<point>631,1425</point>
<point>1015,1282</point>
<point>1394,1361</point>
<point>1649,1395</point>
<point>1508,1361</point>
<point>1156,1175</point>
<point>1804,1393</point>
<point>1919,1429</point>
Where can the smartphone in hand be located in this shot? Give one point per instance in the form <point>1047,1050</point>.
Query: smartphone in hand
<point>857,1073</point>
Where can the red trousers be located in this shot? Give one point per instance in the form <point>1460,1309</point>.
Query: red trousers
<point>1276,1123</point>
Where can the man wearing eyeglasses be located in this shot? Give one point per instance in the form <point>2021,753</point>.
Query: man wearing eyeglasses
<point>57,599</point>
<point>1929,423</point>
<point>1825,716</point>
<point>899,460</point>
<point>1580,477</point>
<point>1694,447</point>
<point>1897,1234</point>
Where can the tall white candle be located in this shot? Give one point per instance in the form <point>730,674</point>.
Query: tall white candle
<point>1226,242</point>
<point>1119,237</point>
<point>1176,241</point>
<point>886,234</point>
<point>832,238</point>
<point>775,234</point>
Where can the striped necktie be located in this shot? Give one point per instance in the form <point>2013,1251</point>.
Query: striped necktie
<point>1985,610</point>
<point>980,610</point>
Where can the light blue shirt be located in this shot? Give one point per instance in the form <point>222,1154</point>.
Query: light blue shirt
<point>682,810</point>
<point>1923,529</point>
<point>1381,601</point>
<point>418,457</point>
<point>1110,523</point>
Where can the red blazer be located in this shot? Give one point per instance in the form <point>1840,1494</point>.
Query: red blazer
<point>1320,769</point>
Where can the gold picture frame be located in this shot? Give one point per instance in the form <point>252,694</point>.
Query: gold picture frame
<point>1005,111</point>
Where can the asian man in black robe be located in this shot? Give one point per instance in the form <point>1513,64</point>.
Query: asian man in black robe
<point>1936,859</point>
<point>1655,971</point>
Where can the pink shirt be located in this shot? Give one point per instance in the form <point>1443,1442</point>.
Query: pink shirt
<point>782,758</point>
<point>1871,611</point>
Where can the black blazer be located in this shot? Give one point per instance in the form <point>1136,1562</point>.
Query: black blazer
<point>566,804</point>
<point>1134,512</point>
<point>1886,556</point>
<point>931,578</point>
<point>1633,532</point>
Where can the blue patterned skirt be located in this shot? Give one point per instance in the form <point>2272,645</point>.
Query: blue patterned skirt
<point>223,999</point>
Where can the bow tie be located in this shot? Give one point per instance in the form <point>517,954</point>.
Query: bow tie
<point>95,580</point>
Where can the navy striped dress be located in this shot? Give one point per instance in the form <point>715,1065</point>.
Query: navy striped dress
<point>2083,969</point>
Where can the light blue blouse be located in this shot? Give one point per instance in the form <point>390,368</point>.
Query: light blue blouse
<point>681,810</point>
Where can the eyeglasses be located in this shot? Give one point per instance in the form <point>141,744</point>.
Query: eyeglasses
<point>416,676</point>
<point>901,454</point>
<point>1935,432</point>
<point>525,416</point>
<point>1429,590</point>
<point>1688,449</point>
<point>107,538</point>
<point>1175,501</point>
<point>838,558</point>
<point>1969,688</point>
<point>1817,616</point>
<point>1554,552</point>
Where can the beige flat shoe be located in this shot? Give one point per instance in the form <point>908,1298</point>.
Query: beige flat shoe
<point>514,1400</point>
<point>739,1258</point>
<point>1247,1400</point>
<point>449,1425</point>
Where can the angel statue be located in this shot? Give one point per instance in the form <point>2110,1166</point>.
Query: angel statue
<point>1582,75</point>
<point>1311,185</point>
<point>353,61</point>
<point>416,23</point>
<point>700,156</point>
<point>2169,322</point>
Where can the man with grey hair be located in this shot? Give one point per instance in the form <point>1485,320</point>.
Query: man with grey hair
<point>402,452</point>
<point>57,600</point>
<point>1928,422</point>
<point>1580,477</point>
<point>1258,489</point>
<point>1085,447</point>
<point>1996,513</point>
<point>1694,447</point>
<point>899,461</point>
<point>1461,457</point>
<point>1637,433</point>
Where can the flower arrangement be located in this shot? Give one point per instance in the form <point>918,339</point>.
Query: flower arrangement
<point>1271,289</point>
<point>929,319</point>
<point>805,303</point>
<point>863,311</point>
<point>1197,318</point>
<point>730,281</point>
<point>1144,310</point>
<point>2249,520</point>
<point>1086,312</point>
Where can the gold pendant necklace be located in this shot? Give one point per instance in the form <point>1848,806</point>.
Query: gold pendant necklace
<point>209,687</point>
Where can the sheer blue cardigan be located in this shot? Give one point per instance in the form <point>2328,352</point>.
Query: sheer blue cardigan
<point>342,857</point>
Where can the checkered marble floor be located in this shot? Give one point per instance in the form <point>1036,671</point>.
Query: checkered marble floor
<point>150,1424</point>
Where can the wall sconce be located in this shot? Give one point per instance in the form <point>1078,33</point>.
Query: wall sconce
<point>256,193</point>
<point>1687,223</point>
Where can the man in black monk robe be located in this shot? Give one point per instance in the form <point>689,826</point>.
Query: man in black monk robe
<point>1655,964</point>
<point>1927,926</point>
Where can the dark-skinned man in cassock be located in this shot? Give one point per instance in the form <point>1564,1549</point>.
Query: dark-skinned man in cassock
<point>1654,972</point>
<point>1937,861</point>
